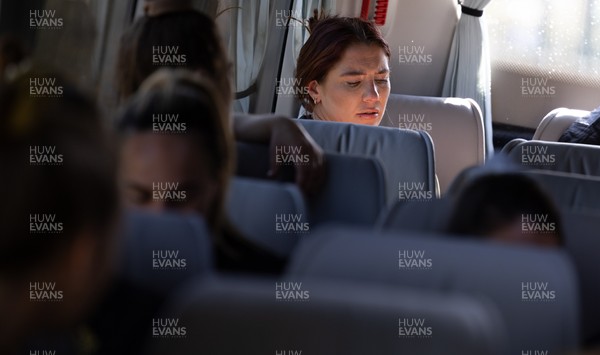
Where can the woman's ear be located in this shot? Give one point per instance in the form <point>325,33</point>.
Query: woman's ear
<point>314,90</point>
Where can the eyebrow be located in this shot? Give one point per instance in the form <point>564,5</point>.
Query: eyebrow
<point>355,72</point>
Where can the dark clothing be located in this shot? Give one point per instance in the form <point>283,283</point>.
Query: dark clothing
<point>120,324</point>
<point>305,117</point>
<point>584,131</point>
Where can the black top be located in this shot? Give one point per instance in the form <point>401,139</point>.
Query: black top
<point>584,131</point>
<point>120,324</point>
<point>305,117</point>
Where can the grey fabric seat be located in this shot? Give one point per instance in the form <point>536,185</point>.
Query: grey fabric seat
<point>407,156</point>
<point>271,214</point>
<point>425,216</point>
<point>353,191</point>
<point>582,231</point>
<point>162,251</point>
<point>556,122</point>
<point>547,319</point>
<point>454,124</point>
<point>244,317</point>
<point>555,156</point>
<point>570,192</point>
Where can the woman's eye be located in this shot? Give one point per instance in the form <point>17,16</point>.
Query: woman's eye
<point>353,83</point>
<point>383,81</point>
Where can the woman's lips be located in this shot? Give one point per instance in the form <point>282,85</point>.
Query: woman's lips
<point>368,114</point>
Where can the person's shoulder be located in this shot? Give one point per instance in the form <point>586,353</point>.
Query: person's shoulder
<point>585,130</point>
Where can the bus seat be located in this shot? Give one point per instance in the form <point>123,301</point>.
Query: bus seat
<point>570,192</point>
<point>252,161</point>
<point>254,207</point>
<point>509,276</point>
<point>162,251</point>
<point>244,316</point>
<point>353,191</point>
<point>556,122</point>
<point>422,216</point>
<point>407,156</point>
<point>582,242</point>
<point>555,156</point>
<point>455,126</point>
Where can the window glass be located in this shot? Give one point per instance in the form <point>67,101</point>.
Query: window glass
<point>556,37</point>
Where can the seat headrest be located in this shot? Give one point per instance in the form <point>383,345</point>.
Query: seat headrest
<point>536,290</point>
<point>349,319</point>
<point>162,251</point>
<point>407,156</point>
<point>258,209</point>
<point>556,122</point>
<point>556,156</point>
<point>454,124</point>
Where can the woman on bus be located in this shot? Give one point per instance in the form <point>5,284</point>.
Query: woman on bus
<point>60,205</point>
<point>199,160</point>
<point>177,25</point>
<point>343,71</point>
<point>506,207</point>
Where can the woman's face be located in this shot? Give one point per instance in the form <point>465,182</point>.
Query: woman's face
<point>160,172</point>
<point>356,89</point>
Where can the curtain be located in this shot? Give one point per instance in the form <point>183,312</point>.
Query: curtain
<point>468,73</point>
<point>304,9</point>
<point>245,25</point>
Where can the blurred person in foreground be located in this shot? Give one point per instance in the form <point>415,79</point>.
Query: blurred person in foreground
<point>59,212</point>
<point>199,159</point>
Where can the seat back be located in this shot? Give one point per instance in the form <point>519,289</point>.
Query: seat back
<point>353,191</point>
<point>252,161</point>
<point>162,251</point>
<point>570,192</point>
<point>271,214</point>
<point>428,216</point>
<point>556,156</point>
<point>583,243</point>
<point>250,317</point>
<point>556,122</point>
<point>455,126</point>
<point>536,290</point>
<point>407,156</point>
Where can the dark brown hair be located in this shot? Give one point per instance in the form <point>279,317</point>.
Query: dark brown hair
<point>80,189</point>
<point>491,201</point>
<point>330,36</point>
<point>196,37</point>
